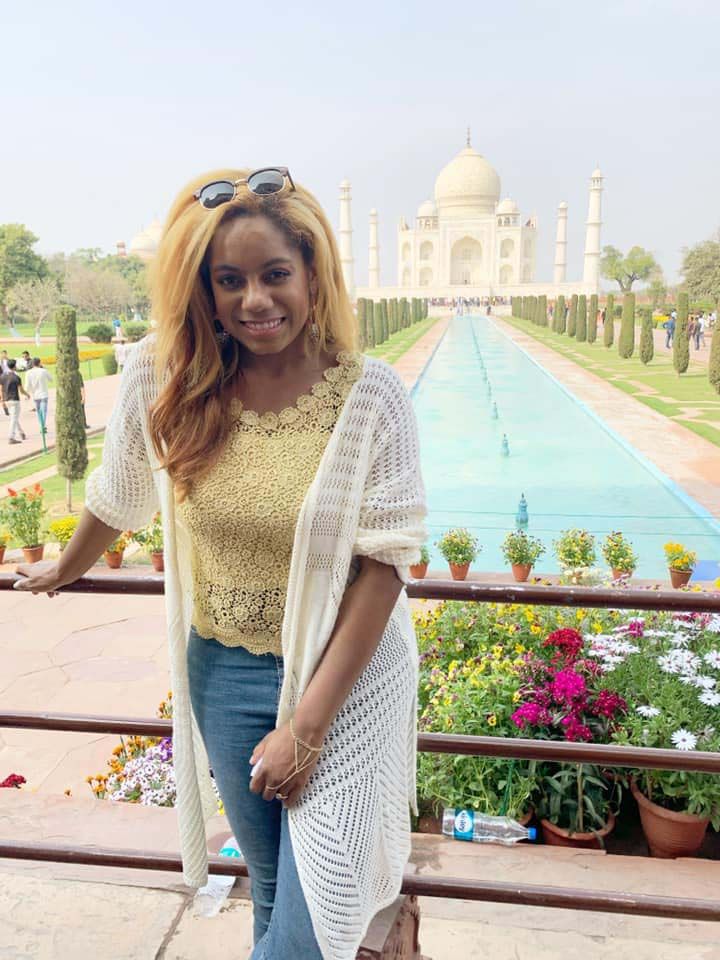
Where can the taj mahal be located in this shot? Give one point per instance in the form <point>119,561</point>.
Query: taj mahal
<point>467,241</point>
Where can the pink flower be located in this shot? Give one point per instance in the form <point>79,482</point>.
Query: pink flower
<point>14,780</point>
<point>567,686</point>
<point>574,729</point>
<point>532,714</point>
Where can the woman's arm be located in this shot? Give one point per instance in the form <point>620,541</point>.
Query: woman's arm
<point>87,544</point>
<point>362,617</point>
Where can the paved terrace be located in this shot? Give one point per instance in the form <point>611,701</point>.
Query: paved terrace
<point>86,654</point>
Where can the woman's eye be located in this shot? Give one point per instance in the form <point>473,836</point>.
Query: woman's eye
<point>278,275</point>
<point>229,282</point>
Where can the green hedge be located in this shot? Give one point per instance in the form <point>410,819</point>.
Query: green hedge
<point>626,341</point>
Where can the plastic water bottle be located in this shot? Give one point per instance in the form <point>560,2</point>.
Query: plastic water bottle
<point>484,828</point>
<point>209,899</point>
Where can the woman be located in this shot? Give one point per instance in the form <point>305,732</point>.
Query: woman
<point>286,468</point>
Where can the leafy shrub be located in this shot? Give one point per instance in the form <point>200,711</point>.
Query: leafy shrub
<point>100,332</point>
<point>109,363</point>
<point>135,331</point>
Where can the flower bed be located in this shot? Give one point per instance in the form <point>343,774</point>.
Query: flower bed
<point>597,676</point>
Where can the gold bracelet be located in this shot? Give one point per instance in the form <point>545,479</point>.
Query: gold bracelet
<point>302,743</point>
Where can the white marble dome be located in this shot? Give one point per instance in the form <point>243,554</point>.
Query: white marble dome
<point>467,186</point>
<point>145,244</point>
<point>427,209</point>
<point>507,206</point>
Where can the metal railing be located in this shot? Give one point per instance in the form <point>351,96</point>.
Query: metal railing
<point>452,887</point>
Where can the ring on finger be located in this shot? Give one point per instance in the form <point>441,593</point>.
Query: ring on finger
<point>281,796</point>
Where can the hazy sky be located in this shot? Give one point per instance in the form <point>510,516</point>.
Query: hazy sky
<point>108,109</point>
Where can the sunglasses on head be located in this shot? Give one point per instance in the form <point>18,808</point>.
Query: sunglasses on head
<point>262,182</point>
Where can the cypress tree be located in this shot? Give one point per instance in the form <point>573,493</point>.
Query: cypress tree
<point>370,322</point>
<point>362,332</point>
<point>406,313</point>
<point>592,319</point>
<point>377,315</point>
<point>647,344</point>
<point>681,340</point>
<point>626,340</point>
<point>559,316</point>
<point>572,316</point>
<point>581,319</point>
<point>391,316</point>
<point>384,320</point>
<point>714,362</point>
<point>71,440</point>
<point>609,328</point>
<point>542,311</point>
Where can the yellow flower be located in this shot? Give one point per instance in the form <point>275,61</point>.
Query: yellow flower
<point>535,629</point>
<point>519,648</point>
<point>516,696</point>
<point>492,720</point>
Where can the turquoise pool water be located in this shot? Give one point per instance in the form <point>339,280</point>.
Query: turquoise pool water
<point>573,471</point>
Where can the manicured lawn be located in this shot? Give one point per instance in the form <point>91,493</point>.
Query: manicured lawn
<point>399,343</point>
<point>88,368</point>
<point>688,399</point>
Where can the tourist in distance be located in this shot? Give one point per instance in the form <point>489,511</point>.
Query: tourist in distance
<point>36,384</point>
<point>286,468</point>
<point>669,328</point>
<point>121,352</point>
<point>11,387</point>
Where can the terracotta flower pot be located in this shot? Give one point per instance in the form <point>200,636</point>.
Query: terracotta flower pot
<point>113,558</point>
<point>679,578</point>
<point>429,824</point>
<point>418,570</point>
<point>158,561</point>
<point>458,571</point>
<point>33,554</point>
<point>521,571</point>
<point>669,834</point>
<point>561,837</point>
<point>622,574</point>
<point>2,552</point>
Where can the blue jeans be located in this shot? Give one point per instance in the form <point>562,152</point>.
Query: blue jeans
<point>41,407</point>
<point>234,697</point>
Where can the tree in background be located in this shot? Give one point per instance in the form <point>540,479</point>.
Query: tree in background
<point>647,342</point>
<point>701,269</point>
<point>626,340</point>
<point>542,311</point>
<point>360,314</point>
<point>101,293</point>
<point>592,319</point>
<point>572,316</point>
<point>581,319</point>
<point>656,290</point>
<point>370,322</point>
<point>639,264</point>
<point>35,299</point>
<point>609,328</point>
<point>714,362</point>
<point>71,441</point>
<point>18,261</point>
<point>681,338</point>
<point>559,314</point>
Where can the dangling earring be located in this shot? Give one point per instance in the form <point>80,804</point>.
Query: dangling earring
<point>314,329</point>
<point>221,333</point>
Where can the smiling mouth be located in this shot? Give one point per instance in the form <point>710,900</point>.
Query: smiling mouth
<point>261,326</point>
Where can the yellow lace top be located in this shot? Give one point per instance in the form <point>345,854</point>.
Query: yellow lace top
<point>241,515</point>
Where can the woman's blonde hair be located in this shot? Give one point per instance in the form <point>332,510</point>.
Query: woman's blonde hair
<point>189,421</point>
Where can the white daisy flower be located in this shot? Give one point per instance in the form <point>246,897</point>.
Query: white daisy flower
<point>714,623</point>
<point>684,740</point>
<point>710,698</point>
<point>705,683</point>
<point>712,659</point>
<point>648,712</point>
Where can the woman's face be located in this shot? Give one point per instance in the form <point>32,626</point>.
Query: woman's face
<point>260,285</point>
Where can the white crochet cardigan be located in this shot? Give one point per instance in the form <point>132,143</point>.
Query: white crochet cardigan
<point>351,830</point>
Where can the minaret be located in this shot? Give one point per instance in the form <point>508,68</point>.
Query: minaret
<point>560,270</point>
<point>346,255</point>
<point>591,271</point>
<point>374,257</point>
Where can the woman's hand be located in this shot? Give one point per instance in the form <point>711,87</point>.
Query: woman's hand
<point>41,577</point>
<point>276,774</point>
